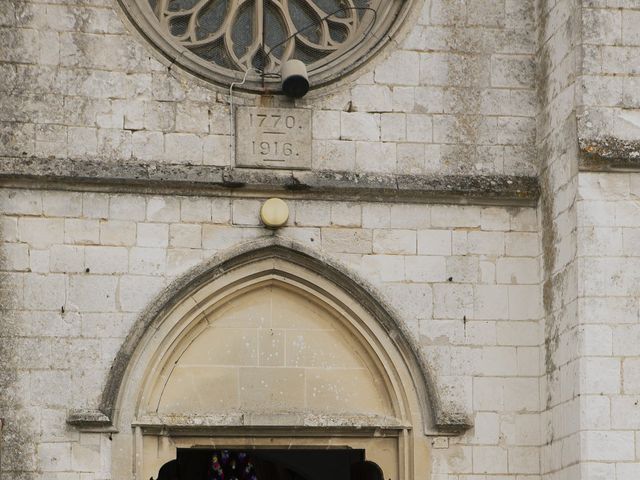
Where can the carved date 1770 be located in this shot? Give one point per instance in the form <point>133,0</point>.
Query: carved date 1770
<point>273,138</point>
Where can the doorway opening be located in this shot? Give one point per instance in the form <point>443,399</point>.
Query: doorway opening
<point>270,464</point>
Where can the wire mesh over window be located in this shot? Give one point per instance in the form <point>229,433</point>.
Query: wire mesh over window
<point>236,35</point>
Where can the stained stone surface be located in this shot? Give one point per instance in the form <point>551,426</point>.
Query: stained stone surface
<point>278,138</point>
<point>480,175</point>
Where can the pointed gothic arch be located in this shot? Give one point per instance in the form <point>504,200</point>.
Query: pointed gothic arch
<point>150,389</point>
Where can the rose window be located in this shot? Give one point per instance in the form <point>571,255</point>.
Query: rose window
<point>222,39</point>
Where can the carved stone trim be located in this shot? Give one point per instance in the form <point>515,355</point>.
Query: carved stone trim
<point>609,154</point>
<point>248,421</point>
<point>325,185</point>
<point>90,420</point>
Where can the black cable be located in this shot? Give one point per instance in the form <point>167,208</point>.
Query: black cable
<point>323,19</point>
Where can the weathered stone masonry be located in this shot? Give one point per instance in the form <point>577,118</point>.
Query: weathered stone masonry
<point>478,177</point>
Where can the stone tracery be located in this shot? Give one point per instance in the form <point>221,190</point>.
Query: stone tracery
<point>239,34</point>
<point>222,39</point>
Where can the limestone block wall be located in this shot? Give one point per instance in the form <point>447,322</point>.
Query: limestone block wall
<point>608,133</point>
<point>456,93</point>
<point>609,98</point>
<point>79,267</point>
<point>587,63</point>
<point>608,311</point>
<point>559,40</point>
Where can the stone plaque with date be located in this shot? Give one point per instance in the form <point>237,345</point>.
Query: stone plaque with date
<point>273,138</point>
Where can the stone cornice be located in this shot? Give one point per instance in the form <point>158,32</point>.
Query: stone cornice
<point>609,154</point>
<point>163,178</point>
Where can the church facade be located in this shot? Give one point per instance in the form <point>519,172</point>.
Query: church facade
<point>429,261</point>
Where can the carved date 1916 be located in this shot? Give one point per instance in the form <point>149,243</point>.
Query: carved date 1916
<point>273,138</point>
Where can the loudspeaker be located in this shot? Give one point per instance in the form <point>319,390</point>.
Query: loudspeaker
<point>295,79</point>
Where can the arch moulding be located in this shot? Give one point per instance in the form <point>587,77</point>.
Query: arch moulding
<point>271,260</point>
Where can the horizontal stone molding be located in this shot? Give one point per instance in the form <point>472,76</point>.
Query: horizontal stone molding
<point>609,154</point>
<point>301,422</point>
<point>87,420</point>
<point>326,185</point>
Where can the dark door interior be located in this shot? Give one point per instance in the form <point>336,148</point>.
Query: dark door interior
<point>263,464</point>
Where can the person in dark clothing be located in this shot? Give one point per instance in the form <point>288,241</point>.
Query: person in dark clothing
<point>227,465</point>
<point>169,471</point>
<point>366,470</point>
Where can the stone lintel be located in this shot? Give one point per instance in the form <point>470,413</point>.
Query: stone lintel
<point>257,420</point>
<point>162,178</point>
